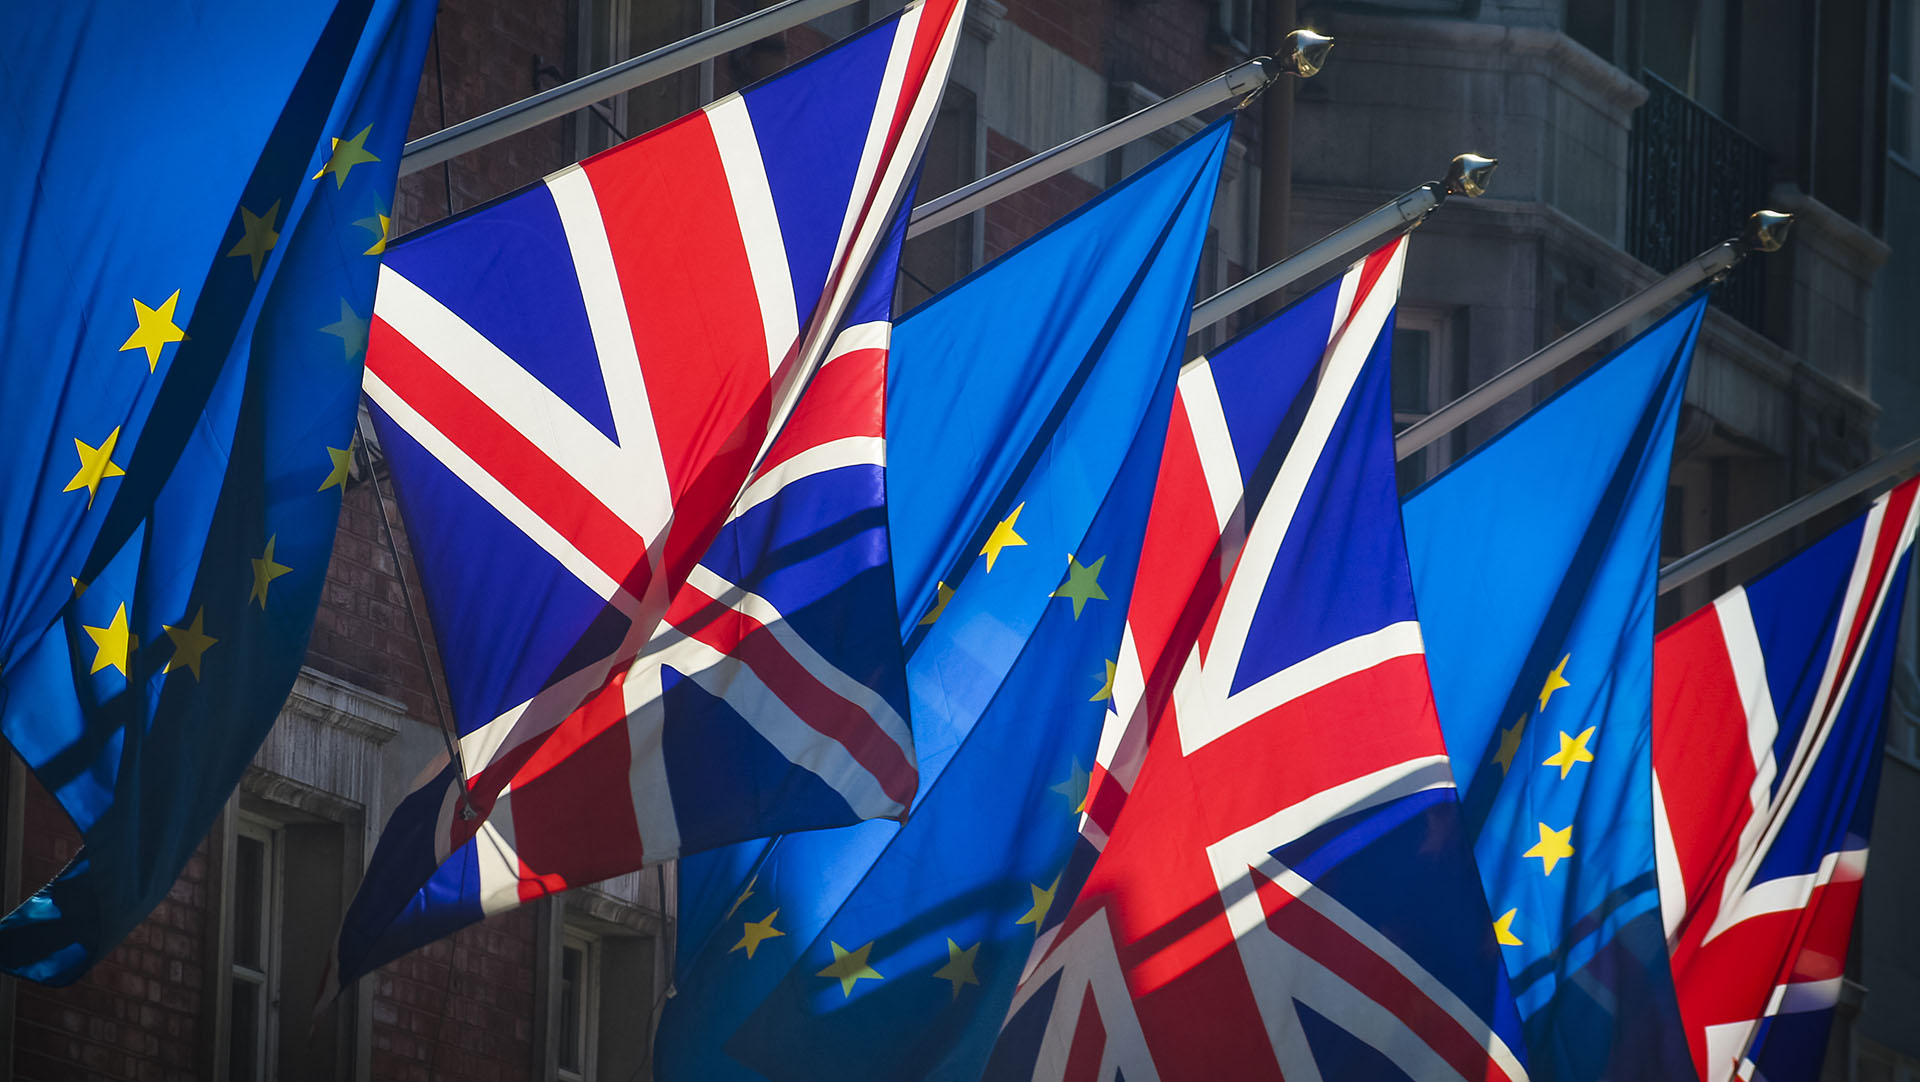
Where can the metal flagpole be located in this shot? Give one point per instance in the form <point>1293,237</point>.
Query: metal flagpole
<point>607,82</point>
<point>1766,232</point>
<point>1766,528</point>
<point>1467,175</point>
<point>1307,52</point>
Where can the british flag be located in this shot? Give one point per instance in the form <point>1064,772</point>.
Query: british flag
<point>635,417</point>
<point>1274,778</point>
<point>1767,736</point>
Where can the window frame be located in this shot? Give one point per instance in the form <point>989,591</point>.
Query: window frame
<point>586,1030</point>
<point>267,834</point>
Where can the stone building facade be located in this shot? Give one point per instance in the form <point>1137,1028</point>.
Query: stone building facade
<point>1632,134</point>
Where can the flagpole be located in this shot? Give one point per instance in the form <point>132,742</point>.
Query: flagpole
<point>1306,53</point>
<point>1766,231</point>
<point>528,112</point>
<point>1466,175</point>
<point>1758,532</point>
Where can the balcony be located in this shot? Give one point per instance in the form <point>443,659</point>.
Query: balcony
<point>1692,181</point>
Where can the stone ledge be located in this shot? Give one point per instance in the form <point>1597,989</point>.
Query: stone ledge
<point>1462,41</point>
<point>339,704</point>
<point>1829,229</point>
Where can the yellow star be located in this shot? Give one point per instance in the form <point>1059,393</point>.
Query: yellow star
<point>1555,681</point>
<point>342,465</point>
<point>1042,901</point>
<point>1002,537</point>
<point>849,966</point>
<point>959,967</point>
<point>1082,585</point>
<point>1553,847</point>
<point>1105,694</point>
<point>347,153</point>
<point>96,465</point>
<point>155,329</point>
<point>754,932</point>
<point>1503,930</point>
<point>189,643</point>
<point>1076,788</point>
<point>113,643</point>
<point>744,895</point>
<point>1509,745</point>
<point>942,593</point>
<point>257,236</point>
<point>79,588</point>
<point>264,572</point>
<point>1573,749</point>
<point>351,330</point>
<point>380,224</point>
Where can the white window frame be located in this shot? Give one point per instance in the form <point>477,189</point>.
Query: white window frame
<point>1233,25</point>
<point>267,1020</point>
<point>587,1024</point>
<point>1902,82</point>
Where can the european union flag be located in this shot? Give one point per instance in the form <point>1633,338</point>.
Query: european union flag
<point>1026,414</point>
<point>1534,566</point>
<point>193,242</point>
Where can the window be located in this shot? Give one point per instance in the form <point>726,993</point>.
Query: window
<point>281,881</point>
<point>1231,25</point>
<point>578,990</point>
<point>1902,142</point>
<point>255,948</point>
<point>603,978</point>
<point>1424,379</point>
<point>614,30</point>
<point>935,260</point>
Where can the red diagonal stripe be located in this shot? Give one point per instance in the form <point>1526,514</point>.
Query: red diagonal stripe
<point>821,708</point>
<point>1329,944</point>
<point>509,457</point>
<point>1089,1043</point>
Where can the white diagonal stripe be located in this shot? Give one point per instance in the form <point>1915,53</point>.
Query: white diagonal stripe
<point>746,173</point>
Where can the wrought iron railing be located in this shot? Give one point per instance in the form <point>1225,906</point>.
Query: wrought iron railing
<point>1692,180</point>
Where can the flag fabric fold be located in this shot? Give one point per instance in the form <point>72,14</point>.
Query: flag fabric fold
<point>1534,565</point>
<point>635,419</point>
<point>179,405</point>
<point>1768,728</point>
<point>1027,407</point>
<point>1274,774</point>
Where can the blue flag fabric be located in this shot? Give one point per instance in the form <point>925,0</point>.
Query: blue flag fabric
<point>194,233</point>
<point>1534,564</point>
<point>1026,413</point>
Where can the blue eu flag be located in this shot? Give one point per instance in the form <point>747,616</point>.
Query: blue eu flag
<point>1026,412</point>
<point>1534,568</point>
<point>193,240</point>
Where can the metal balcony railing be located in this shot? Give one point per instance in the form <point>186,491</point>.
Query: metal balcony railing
<point>1692,181</point>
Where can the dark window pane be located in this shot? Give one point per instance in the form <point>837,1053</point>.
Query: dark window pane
<point>1899,121</point>
<point>1901,61</point>
<point>249,901</point>
<point>1412,371</point>
<point>572,961</point>
<point>244,1058</point>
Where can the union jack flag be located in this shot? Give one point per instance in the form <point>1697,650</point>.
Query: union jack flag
<point>1767,734</point>
<point>1274,777</point>
<point>635,415</point>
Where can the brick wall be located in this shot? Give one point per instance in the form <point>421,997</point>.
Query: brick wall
<point>136,1014</point>
<point>461,1008</point>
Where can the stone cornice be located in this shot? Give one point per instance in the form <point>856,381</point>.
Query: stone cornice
<point>1460,40</point>
<point>336,704</point>
<point>1819,225</point>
